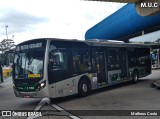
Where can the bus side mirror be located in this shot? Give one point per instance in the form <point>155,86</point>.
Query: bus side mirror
<point>54,63</point>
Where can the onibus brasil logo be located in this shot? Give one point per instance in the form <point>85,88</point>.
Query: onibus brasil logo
<point>18,113</point>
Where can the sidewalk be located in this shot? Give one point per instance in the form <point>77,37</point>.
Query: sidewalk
<point>6,81</point>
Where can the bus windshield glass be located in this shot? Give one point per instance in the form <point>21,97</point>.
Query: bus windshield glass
<point>28,64</point>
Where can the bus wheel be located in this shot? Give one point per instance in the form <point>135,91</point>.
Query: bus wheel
<point>135,77</point>
<point>83,88</point>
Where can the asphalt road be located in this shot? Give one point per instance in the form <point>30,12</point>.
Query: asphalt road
<point>8,101</point>
<point>117,100</point>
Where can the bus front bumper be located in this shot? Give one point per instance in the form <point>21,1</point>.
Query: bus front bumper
<point>36,94</point>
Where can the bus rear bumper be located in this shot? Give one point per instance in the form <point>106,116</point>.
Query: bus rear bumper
<point>36,94</point>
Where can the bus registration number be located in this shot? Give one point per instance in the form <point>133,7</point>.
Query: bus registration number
<point>26,87</point>
<point>30,88</point>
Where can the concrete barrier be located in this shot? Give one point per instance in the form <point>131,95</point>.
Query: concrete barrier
<point>7,71</point>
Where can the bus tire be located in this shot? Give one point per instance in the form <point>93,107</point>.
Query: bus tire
<point>83,88</point>
<point>135,76</point>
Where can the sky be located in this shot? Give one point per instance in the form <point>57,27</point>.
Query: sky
<point>69,19</point>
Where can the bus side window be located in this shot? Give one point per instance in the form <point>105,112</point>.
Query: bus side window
<point>113,59</point>
<point>76,63</point>
<point>81,61</point>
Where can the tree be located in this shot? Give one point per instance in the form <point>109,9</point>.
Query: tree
<point>6,45</point>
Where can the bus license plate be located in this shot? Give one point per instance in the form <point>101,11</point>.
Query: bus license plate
<point>31,88</point>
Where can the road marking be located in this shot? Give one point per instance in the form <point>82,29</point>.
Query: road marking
<point>74,117</point>
<point>65,111</point>
<point>43,101</point>
<point>57,107</point>
<point>61,110</point>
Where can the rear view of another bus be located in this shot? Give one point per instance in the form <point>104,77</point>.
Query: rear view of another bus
<point>29,69</point>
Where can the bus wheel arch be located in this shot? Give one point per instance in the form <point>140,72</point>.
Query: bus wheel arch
<point>135,75</point>
<point>84,86</point>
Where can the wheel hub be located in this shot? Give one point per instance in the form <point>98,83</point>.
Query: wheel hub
<point>135,77</point>
<point>84,87</point>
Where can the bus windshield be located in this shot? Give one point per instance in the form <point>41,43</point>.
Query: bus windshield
<point>29,64</point>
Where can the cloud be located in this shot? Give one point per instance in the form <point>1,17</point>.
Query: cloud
<point>19,21</point>
<point>28,19</point>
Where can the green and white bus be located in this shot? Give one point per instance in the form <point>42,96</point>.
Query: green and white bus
<point>50,67</point>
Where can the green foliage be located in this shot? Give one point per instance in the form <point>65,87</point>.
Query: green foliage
<point>6,48</point>
<point>6,45</point>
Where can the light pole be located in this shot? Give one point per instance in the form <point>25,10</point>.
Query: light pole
<point>6,26</point>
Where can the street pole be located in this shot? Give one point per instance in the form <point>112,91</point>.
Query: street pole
<point>6,31</point>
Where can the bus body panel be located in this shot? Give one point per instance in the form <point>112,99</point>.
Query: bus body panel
<point>63,88</point>
<point>69,86</point>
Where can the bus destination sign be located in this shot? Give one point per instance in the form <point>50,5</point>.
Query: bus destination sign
<point>29,46</point>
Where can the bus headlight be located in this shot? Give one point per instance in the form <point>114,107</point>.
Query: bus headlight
<point>42,85</point>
